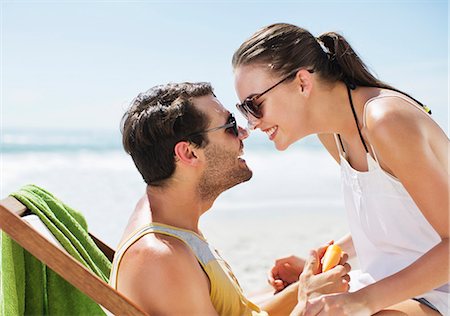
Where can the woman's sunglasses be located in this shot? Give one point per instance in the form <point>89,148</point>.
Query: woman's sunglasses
<point>249,107</point>
<point>230,127</point>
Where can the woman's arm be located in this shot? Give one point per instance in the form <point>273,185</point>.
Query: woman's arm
<point>428,272</point>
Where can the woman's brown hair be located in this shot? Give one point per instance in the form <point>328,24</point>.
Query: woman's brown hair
<point>283,48</point>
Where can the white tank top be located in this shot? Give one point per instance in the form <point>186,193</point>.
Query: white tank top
<point>388,229</point>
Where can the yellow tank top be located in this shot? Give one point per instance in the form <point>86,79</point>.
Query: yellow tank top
<point>226,294</point>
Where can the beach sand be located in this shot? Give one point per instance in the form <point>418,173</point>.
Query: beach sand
<point>251,242</point>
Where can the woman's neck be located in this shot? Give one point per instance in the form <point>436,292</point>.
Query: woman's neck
<point>334,112</point>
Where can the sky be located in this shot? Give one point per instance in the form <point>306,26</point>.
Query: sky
<point>78,64</point>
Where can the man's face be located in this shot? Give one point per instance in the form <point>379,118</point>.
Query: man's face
<point>224,168</point>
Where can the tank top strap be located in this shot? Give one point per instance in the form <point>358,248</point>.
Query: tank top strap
<point>364,125</point>
<point>200,247</point>
<point>337,137</point>
<point>339,145</point>
<point>349,88</point>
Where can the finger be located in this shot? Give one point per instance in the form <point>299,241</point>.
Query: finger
<point>335,273</point>
<point>274,273</point>
<point>347,267</point>
<point>312,263</point>
<point>345,286</point>
<point>342,270</point>
<point>274,280</point>
<point>278,285</point>
<point>271,275</point>
<point>278,282</point>
<point>274,270</point>
<point>344,258</point>
<point>346,278</point>
<point>321,250</point>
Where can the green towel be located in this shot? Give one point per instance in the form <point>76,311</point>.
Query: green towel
<point>28,287</point>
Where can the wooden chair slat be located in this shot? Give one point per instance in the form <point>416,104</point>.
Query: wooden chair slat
<point>61,262</point>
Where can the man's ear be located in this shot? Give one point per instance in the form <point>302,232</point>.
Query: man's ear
<point>185,153</point>
<point>305,82</point>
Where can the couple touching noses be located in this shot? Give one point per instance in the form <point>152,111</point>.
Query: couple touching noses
<point>290,84</point>
<point>188,149</point>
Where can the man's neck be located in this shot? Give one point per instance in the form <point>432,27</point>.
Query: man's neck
<point>177,207</point>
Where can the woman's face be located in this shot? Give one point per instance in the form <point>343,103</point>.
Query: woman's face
<point>281,107</point>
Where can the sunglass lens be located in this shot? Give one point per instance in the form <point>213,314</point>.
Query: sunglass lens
<point>252,108</point>
<point>233,129</point>
<point>247,108</point>
<point>241,109</point>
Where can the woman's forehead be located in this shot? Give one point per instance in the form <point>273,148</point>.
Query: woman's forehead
<point>250,80</point>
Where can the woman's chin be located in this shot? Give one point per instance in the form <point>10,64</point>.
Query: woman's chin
<point>281,146</point>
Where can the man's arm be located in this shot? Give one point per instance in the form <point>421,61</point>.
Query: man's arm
<point>163,277</point>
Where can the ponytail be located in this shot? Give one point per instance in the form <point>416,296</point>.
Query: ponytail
<point>345,65</point>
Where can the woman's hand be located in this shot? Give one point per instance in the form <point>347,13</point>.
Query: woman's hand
<point>285,272</point>
<point>314,283</point>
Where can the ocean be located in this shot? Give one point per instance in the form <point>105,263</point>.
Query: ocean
<point>292,203</point>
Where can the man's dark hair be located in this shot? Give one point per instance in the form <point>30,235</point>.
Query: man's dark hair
<point>156,121</point>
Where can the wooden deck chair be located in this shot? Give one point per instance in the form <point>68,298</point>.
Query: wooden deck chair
<point>11,222</point>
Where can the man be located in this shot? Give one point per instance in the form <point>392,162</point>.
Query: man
<point>187,147</point>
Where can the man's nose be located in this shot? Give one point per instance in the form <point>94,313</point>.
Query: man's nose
<point>243,133</point>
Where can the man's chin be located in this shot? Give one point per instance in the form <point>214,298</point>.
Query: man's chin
<point>249,176</point>
<point>244,177</point>
<point>244,165</point>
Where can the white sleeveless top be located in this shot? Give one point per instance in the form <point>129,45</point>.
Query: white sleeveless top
<point>388,229</point>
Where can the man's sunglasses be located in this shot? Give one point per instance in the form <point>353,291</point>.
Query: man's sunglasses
<point>249,107</point>
<point>230,127</point>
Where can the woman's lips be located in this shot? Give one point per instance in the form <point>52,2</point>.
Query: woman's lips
<point>271,132</point>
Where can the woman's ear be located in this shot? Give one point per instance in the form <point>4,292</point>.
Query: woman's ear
<point>304,79</point>
<point>185,153</point>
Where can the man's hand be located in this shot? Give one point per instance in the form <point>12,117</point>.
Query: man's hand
<point>285,272</point>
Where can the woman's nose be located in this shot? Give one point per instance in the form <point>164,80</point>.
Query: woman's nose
<point>252,123</point>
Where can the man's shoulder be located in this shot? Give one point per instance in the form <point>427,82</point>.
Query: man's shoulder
<point>160,250</point>
<point>157,268</point>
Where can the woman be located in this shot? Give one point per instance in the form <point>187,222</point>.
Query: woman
<point>393,159</point>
